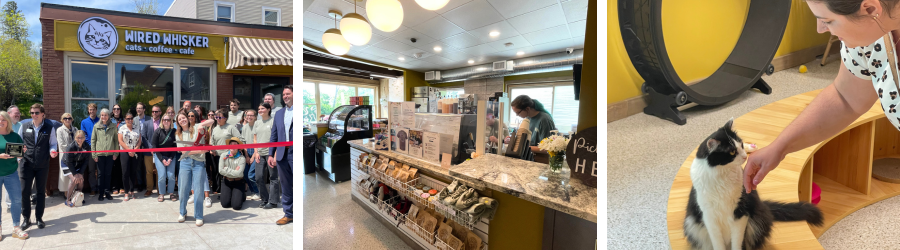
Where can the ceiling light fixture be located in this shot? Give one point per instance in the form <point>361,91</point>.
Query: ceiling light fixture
<point>385,15</point>
<point>437,48</point>
<point>494,33</point>
<point>471,62</point>
<point>333,39</point>
<point>432,4</point>
<point>401,58</point>
<point>520,53</point>
<point>356,28</point>
<point>382,76</point>
<point>321,67</point>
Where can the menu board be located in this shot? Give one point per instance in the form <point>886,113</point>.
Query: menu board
<point>408,116</point>
<point>395,114</point>
<point>432,147</point>
<point>415,143</point>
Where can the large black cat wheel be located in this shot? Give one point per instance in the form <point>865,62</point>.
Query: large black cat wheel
<point>640,22</point>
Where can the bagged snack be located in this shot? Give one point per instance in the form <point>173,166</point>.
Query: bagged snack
<point>444,232</point>
<point>473,241</point>
<point>454,243</point>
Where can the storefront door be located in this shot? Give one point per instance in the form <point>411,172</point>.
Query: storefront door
<point>250,90</point>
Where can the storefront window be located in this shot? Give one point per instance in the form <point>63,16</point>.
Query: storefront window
<point>89,85</point>
<point>333,96</point>
<point>80,109</point>
<point>309,102</point>
<point>89,79</point>
<point>252,90</point>
<point>195,86</point>
<point>558,99</point>
<point>149,84</point>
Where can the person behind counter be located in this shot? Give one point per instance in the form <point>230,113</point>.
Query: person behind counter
<point>540,120</point>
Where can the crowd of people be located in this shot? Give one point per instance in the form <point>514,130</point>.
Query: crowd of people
<point>233,176</point>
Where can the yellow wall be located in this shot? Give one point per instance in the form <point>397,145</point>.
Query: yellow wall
<point>696,26</point>
<point>587,96</point>
<point>65,35</point>
<point>411,80</point>
<point>518,224</point>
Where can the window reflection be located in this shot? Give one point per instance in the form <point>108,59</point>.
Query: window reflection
<point>80,110</point>
<point>148,84</point>
<point>89,79</point>
<point>195,83</point>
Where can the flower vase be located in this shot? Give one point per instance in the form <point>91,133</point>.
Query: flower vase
<point>558,171</point>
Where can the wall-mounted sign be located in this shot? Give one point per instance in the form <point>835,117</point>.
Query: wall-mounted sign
<point>97,37</point>
<point>581,156</point>
<point>161,39</point>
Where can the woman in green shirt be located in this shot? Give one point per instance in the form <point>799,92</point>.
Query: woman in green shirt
<point>266,177</point>
<point>9,177</point>
<point>540,120</point>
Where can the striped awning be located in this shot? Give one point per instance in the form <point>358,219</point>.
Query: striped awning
<point>259,52</point>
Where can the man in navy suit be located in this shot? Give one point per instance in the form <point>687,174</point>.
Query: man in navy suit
<point>283,157</point>
<point>148,127</point>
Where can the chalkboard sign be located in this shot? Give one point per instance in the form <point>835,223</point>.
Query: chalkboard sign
<point>581,156</point>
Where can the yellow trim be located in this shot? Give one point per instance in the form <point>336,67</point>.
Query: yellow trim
<point>65,39</point>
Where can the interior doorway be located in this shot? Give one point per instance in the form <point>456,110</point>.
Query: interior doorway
<point>250,90</point>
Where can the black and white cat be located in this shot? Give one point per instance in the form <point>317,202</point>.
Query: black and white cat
<point>720,214</point>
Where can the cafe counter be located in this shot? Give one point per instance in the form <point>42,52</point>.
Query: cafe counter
<point>530,214</point>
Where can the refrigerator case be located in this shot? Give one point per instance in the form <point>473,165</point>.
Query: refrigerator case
<point>346,123</point>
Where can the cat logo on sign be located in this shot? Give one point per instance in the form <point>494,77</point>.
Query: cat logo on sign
<point>97,37</point>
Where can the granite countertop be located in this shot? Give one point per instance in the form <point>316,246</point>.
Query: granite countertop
<point>520,178</point>
<point>427,167</point>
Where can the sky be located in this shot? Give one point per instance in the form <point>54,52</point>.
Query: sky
<point>32,10</point>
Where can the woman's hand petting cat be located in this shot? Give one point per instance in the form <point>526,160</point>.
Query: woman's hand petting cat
<point>760,163</point>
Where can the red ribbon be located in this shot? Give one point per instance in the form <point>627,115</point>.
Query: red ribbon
<point>222,147</point>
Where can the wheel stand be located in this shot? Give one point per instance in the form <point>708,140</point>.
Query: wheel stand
<point>666,106</point>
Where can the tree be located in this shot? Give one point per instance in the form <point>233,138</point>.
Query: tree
<point>150,7</point>
<point>14,25</point>
<point>20,71</point>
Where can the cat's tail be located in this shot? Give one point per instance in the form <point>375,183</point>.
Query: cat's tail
<point>798,211</point>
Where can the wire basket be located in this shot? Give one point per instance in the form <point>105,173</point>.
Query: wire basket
<point>440,244</point>
<point>463,218</point>
<point>427,181</point>
<point>419,231</point>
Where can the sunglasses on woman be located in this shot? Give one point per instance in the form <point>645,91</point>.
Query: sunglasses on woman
<point>67,119</point>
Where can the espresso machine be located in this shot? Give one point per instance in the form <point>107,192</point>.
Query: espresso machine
<point>467,104</point>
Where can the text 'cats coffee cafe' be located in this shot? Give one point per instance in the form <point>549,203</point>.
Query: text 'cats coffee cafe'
<point>112,57</point>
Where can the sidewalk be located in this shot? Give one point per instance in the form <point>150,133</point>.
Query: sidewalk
<point>145,223</point>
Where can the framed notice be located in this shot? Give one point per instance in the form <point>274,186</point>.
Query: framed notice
<point>415,143</point>
<point>432,147</point>
<point>15,149</point>
<point>408,117</point>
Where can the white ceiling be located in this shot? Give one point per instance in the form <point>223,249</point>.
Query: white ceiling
<point>461,29</point>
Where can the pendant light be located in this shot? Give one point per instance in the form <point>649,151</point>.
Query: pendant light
<point>432,4</point>
<point>356,28</point>
<point>333,39</point>
<point>385,15</point>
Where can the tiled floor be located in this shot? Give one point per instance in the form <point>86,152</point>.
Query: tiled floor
<point>331,220</point>
<point>144,223</point>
